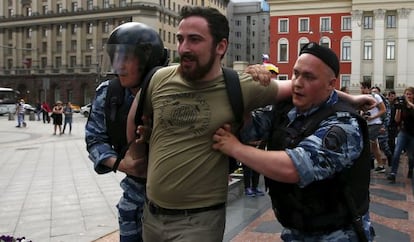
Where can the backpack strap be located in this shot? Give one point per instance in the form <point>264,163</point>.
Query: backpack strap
<point>143,94</point>
<point>114,98</point>
<point>234,93</point>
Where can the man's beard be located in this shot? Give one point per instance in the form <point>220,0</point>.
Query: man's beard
<point>198,71</point>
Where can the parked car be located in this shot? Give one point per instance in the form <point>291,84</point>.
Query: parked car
<point>85,110</point>
<point>29,108</point>
<point>75,108</point>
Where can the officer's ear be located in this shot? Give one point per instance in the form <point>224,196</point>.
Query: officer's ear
<point>332,82</point>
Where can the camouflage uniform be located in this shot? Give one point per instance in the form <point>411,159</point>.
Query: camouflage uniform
<point>315,161</point>
<point>131,204</point>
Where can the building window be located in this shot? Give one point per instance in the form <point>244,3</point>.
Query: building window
<point>29,33</point>
<point>89,5</point>
<point>74,6</point>
<point>72,61</point>
<point>74,28</point>
<point>73,45</point>
<point>58,46</point>
<point>390,50</point>
<point>367,79</point>
<point>389,82</point>
<point>345,81</point>
<point>326,24</point>
<point>368,23</point>
<point>59,8</point>
<point>44,9</point>
<point>44,32</point>
<point>302,42</point>
<point>9,63</point>
<point>44,47</point>
<point>391,21</point>
<point>58,61</point>
<point>105,3</point>
<point>59,30</point>
<point>89,30</point>
<point>283,25</point>
<point>304,25</point>
<point>28,11</point>
<point>88,60</point>
<point>283,51</point>
<point>346,23</point>
<point>238,22</point>
<point>89,44</point>
<point>346,50</point>
<point>105,27</point>
<point>367,50</point>
<point>325,41</point>
<point>43,62</point>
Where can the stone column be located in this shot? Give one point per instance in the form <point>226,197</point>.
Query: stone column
<point>378,74</point>
<point>402,53</point>
<point>356,51</point>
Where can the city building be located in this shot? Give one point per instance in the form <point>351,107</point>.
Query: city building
<point>374,40</point>
<point>52,49</point>
<point>249,31</point>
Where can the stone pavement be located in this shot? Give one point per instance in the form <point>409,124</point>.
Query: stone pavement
<point>49,192</point>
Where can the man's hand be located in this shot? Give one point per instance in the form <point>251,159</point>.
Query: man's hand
<point>364,101</point>
<point>143,132</point>
<point>259,73</point>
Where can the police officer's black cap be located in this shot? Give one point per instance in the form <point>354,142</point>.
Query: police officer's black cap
<point>325,54</point>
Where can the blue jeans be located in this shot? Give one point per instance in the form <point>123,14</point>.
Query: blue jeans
<point>404,141</point>
<point>20,119</point>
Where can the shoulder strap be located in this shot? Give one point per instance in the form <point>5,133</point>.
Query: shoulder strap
<point>312,122</point>
<point>142,95</point>
<point>114,98</point>
<point>234,92</point>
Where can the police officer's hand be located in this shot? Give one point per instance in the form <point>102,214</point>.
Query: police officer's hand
<point>134,166</point>
<point>225,141</point>
<point>259,73</point>
<point>364,101</point>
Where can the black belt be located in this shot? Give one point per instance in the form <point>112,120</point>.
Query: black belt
<point>140,180</point>
<point>155,209</point>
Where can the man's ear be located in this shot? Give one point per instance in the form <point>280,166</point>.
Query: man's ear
<point>221,47</point>
<point>332,82</point>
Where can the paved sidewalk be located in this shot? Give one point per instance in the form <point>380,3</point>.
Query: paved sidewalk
<point>49,192</point>
<point>48,189</point>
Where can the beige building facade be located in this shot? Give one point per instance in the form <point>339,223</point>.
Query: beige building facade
<point>52,49</point>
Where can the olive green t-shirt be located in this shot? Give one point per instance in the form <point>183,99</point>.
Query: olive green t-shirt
<point>184,171</point>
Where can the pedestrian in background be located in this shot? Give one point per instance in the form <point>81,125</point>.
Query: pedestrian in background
<point>68,111</point>
<point>57,115</point>
<point>393,127</point>
<point>20,110</point>
<point>373,117</point>
<point>383,137</point>
<point>320,176</point>
<point>404,116</point>
<point>45,112</point>
<point>38,110</point>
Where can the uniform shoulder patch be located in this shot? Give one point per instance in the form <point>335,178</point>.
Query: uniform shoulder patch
<point>334,138</point>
